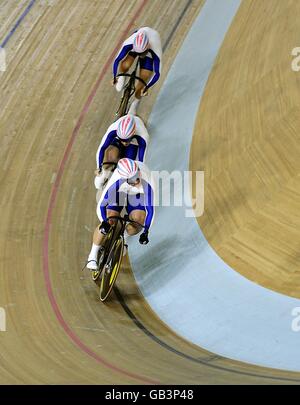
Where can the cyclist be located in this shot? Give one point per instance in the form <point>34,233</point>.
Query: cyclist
<point>126,137</point>
<point>145,44</point>
<point>130,187</point>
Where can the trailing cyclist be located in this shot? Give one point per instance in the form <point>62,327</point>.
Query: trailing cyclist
<point>126,137</point>
<point>145,44</point>
<point>131,188</point>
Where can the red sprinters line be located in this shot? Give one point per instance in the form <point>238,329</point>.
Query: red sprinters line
<point>51,206</point>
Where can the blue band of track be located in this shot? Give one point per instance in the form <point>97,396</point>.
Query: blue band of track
<point>20,19</point>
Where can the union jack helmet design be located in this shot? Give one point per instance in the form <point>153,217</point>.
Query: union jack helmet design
<point>141,42</point>
<point>127,168</point>
<point>126,127</point>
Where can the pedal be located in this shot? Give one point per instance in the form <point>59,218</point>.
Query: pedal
<point>107,267</point>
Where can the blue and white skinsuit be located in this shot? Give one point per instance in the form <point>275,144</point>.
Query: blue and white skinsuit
<point>137,148</point>
<point>118,194</point>
<point>152,60</point>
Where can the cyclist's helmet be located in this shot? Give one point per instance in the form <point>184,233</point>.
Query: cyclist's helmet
<point>141,42</point>
<point>126,127</point>
<point>127,168</point>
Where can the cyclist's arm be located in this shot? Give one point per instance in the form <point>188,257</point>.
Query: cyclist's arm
<point>122,54</point>
<point>103,211</point>
<point>149,207</point>
<point>142,138</point>
<point>142,149</point>
<point>103,204</point>
<point>156,76</point>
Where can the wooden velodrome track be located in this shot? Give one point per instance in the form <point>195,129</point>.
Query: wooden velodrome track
<point>249,150</point>
<point>56,102</point>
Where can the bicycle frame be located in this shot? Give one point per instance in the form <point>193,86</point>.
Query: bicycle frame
<point>124,221</point>
<point>113,164</point>
<point>133,77</point>
<point>129,90</point>
<point>114,255</point>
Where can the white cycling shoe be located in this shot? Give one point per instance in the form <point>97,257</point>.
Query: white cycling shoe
<point>92,264</point>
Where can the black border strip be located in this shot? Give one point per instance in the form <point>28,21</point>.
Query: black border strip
<point>168,40</point>
<point>206,363</point>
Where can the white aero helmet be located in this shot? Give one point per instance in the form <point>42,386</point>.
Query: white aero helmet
<point>141,42</point>
<point>127,168</point>
<point>126,127</point>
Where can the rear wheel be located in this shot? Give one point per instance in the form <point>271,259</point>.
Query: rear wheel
<point>124,103</point>
<point>111,268</point>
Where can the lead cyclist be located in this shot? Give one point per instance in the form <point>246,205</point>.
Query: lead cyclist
<point>144,44</point>
<point>131,188</point>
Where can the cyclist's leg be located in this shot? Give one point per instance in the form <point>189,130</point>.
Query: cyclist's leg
<point>132,229</point>
<point>113,213</point>
<point>92,262</point>
<point>99,237</point>
<point>112,154</point>
<point>146,76</point>
<point>145,73</point>
<point>139,216</point>
<point>125,65</point>
<point>136,211</point>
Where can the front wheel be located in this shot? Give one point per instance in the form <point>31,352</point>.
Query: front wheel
<point>111,268</point>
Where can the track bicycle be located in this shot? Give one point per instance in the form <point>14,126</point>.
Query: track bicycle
<point>111,255</point>
<point>128,90</point>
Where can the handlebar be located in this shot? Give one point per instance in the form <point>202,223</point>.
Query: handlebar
<point>132,75</point>
<point>126,219</point>
<point>110,163</point>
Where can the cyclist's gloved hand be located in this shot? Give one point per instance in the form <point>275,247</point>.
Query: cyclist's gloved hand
<point>144,238</point>
<point>104,228</point>
<point>113,81</point>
